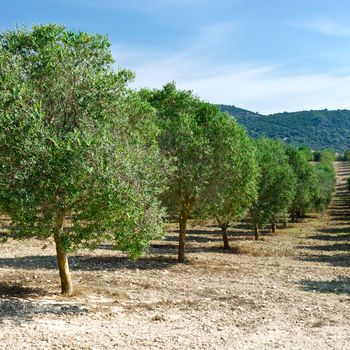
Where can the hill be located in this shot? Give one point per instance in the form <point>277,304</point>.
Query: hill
<point>316,129</point>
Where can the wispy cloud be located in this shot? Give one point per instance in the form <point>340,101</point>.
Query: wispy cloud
<point>256,86</point>
<point>326,26</point>
<point>191,59</point>
<point>265,89</point>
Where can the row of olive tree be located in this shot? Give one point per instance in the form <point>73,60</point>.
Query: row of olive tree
<point>289,185</point>
<point>215,168</point>
<point>84,159</point>
<point>220,173</point>
<point>276,185</point>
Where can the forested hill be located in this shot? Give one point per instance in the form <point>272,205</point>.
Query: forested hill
<point>317,129</point>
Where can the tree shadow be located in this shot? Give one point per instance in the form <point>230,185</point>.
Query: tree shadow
<point>214,249</point>
<point>199,236</point>
<point>338,260</point>
<point>340,213</point>
<point>205,237</point>
<point>88,263</point>
<point>19,303</point>
<point>337,230</point>
<point>329,248</point>
<point>16,289</point>
<point>334,238</point>
<point>337,286</point>
<point>340,219</point>
<point>21,310</point>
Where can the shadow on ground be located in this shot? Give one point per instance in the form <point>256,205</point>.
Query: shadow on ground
<point>16,289</point>
<point>87,263</point>
<point>338,260</point>
<point>337,286</point>
<point>337,235</point>
<point>345,247</point>
<point>22,310</point>
<point>335,238</point>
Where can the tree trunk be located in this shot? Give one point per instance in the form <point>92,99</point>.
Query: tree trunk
<point>62,260</point>
<point>285,224</point>
<point>256,232</point>
<point>182,236</point>
<point>224,236</point>
<point>273,227</point>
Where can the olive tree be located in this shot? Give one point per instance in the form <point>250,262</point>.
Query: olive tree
<point>276,184</point>
<point>79,160</point>
<point>325,180</point>
<point>194,135</point>
<point>306,153</point>
<point>325,186</point>
<point>327,155</point>
<point>235,174</point>
<point>305,182</point>
<point>346,156</point>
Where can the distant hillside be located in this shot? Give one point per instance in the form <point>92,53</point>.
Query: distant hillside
<point>317,129</point>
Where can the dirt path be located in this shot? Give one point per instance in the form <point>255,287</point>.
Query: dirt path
<point>290,290</point>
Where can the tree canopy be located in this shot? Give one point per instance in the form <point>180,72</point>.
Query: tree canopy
<point>235,172</point>
<point>85,159</point>
<point>276,183</point>
<point>305,182</point>
<point>211,154</point>
<point>79,159</point>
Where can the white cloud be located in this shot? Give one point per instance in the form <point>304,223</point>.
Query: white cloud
<point>267,91</point>
<point>256,86</point>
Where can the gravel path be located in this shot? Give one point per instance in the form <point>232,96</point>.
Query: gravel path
<point>290,290</point>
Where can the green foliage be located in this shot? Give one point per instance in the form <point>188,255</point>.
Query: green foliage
<point>305,182</point>
<point>79,149</point>
<point>276,184</point>
<point>214,159</point>
<point>315,129</point>
<point>184,122</point>
<point>306,153</point>
<point>213,156</point>
<point>325,186</point>
<point>75,142</point>
<point>234,173</point>
<point>346,155</point>
<point>315,183</point>
<point>327,156</point>
<point>325,180</point>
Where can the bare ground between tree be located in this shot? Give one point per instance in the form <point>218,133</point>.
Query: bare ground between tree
<point>291,290</point>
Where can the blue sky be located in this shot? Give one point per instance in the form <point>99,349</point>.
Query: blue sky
<point>263,55</point>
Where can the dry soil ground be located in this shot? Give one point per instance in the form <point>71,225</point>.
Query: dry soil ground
<point>291,290</point>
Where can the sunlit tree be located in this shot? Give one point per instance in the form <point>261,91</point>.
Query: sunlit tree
<point>205,146</point>
<point>276,184</point>
<point>79,159</point>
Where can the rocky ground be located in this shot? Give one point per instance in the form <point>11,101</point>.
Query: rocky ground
<point>290,290</point>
